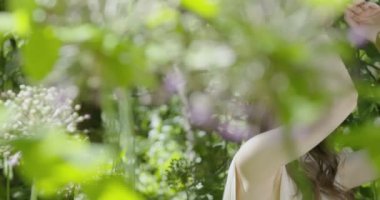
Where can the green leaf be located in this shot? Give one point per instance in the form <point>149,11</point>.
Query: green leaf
<point>111,188</point>
<point>53,159</point>
<point>40,53</point>
<point>163,16</point>
<point>126,65</point>
<point>204,8</point>
<point>22,15</point>
<point>17,22</point>
<point>329,5</point>
<point>27,5</point>
<point>22,24</point>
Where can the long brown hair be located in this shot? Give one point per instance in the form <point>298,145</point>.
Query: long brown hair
<point>315,173</point>
<point>318,170</point>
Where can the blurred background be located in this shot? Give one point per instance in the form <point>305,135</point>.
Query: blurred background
<point>127,99</point>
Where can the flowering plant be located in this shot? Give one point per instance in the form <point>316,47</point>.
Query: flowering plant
<point>34,107</point>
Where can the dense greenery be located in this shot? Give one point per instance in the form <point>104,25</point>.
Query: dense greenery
<point>172,89</point>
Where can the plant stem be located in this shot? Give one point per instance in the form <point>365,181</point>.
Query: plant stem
<point>8,190</point>
<point>126,134</point>
<point>33,194</point>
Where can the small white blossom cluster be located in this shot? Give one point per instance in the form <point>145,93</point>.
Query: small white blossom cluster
<point>38,106</point>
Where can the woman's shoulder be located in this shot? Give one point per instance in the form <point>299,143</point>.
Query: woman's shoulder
<point>277,186</point>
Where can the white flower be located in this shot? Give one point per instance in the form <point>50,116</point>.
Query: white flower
<point>199,186</point>
<point>37,106</point>
<point>77,107</point>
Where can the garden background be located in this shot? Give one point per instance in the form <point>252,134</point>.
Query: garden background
<point>117,99</point>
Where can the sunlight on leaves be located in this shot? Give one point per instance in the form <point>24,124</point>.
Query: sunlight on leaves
<point>22,22</point>
<point>162,16</point>
<point>112,188</point>
<point>54,159</point>
<point>40,53</point>
<point>329,4</point>
<point>204,8</point>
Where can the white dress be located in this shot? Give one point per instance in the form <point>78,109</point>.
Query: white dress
<point>283,186</point>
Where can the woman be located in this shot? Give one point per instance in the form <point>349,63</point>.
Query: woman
<point>364,19</point>
<point>258,170</point>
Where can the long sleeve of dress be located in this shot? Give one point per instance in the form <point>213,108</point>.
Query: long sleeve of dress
<point>261,156</point>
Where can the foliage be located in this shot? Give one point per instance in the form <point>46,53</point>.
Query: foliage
<point>169,168</point>
<point>172,87</point>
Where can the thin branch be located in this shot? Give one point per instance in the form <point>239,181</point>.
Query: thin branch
<point>370,73</point>
<point>371,65</point>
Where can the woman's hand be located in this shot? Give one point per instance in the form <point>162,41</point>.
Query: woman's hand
<point>364,19</point>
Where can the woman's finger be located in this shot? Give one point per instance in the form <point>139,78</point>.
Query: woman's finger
<point>370,5</point>
<point>368,9</point>
<point>360,21</point>
<point>374,19</point>
<point>367,21</point>
<point>349,19</point>
<point>355,9</point>
<point>351,13</point>
<point>371,11</point>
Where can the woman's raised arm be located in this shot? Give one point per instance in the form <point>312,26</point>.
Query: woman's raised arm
<point>357,168</point>
<point>261,156</point>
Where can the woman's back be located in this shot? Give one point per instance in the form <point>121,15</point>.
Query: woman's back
<point>280,186</point>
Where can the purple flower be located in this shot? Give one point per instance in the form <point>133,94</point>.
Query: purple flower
<point>201,110</point>
<point>174,81</point>
<point>356,38</point>
<point>235,131</point>
<point>14,159</point>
